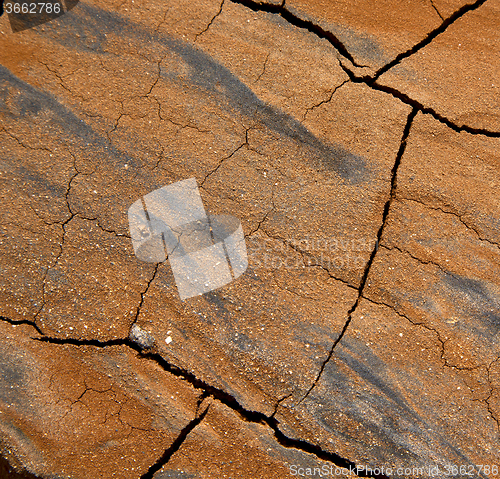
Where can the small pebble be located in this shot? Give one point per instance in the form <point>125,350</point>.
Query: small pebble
<point>142,338</point>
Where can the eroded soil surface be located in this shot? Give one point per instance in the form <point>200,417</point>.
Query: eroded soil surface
<point>359,145</point>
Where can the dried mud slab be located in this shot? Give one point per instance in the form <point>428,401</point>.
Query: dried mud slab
<point>441,243</point>
<point>388,394</point>
<point>364,332</point>
<point>432,307</point>
<point>224,446</point>
<point>76,411</point>
<point>466,91</point>
<point>260,161</point>
<point>370,38</point>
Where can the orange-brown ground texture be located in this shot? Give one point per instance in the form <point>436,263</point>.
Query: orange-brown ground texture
<point>359,144</point>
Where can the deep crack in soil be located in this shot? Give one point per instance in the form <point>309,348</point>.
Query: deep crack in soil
<point>371,81</point>
<point>366,272</point>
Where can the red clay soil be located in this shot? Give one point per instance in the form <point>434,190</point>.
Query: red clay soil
<point>358,144</point>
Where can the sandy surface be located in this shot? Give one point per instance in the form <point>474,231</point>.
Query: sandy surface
<point>358,145</point>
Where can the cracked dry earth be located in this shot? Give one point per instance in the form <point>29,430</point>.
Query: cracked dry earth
<point>359,145</point>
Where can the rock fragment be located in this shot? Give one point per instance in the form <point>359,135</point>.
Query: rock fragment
<point>141,337</point>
